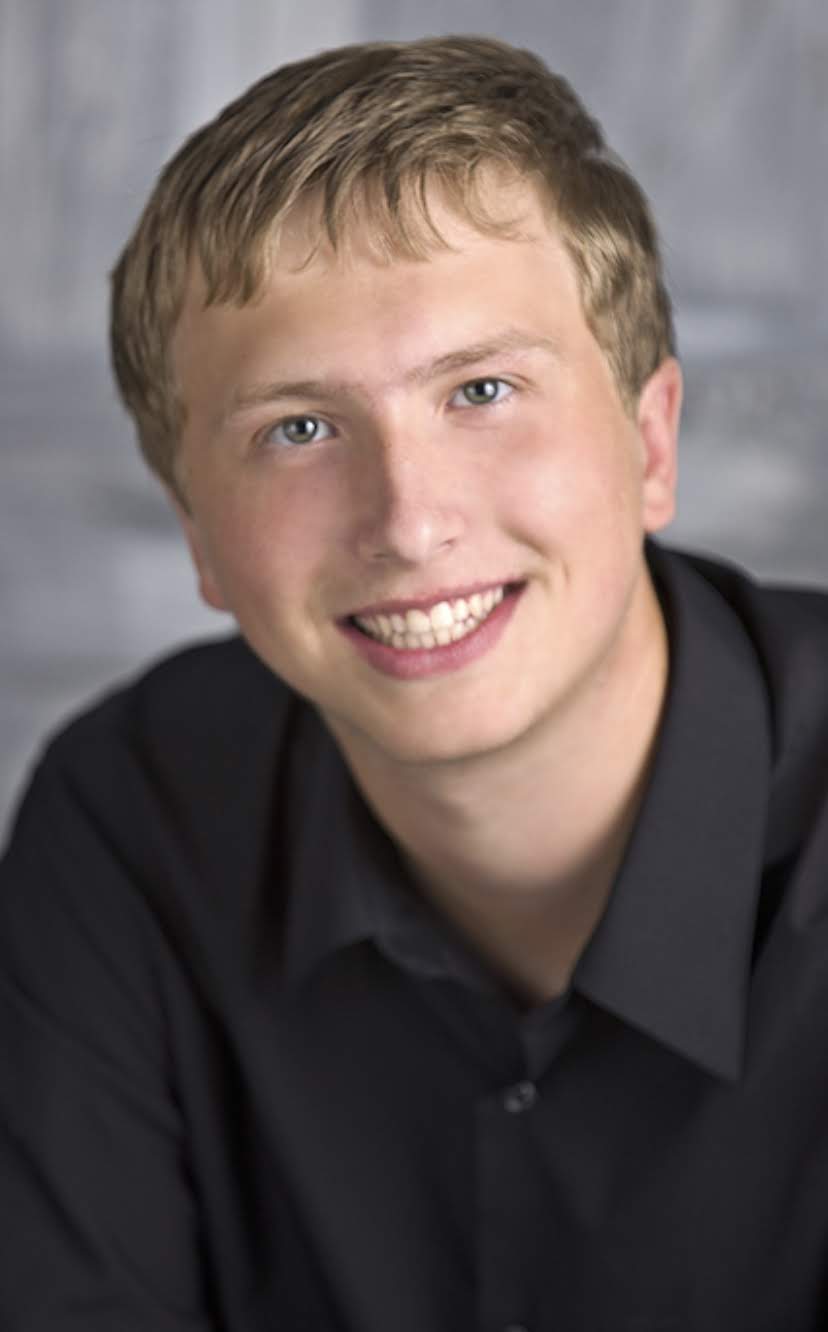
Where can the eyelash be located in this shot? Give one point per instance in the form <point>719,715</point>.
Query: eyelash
<point>268,434</point>
<point>484,379</point>
<point>320,421</point>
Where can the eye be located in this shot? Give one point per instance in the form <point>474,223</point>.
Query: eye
<point>297,430</point>
<point>481,393</point>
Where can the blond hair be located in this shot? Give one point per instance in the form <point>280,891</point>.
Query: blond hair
<point>364,133</point>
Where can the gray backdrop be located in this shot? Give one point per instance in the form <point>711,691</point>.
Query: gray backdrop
<point>719,106</point>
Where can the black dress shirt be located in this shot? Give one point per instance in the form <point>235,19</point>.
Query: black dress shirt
<point>250,1083</point>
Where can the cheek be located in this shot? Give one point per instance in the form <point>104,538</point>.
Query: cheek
<point>577,485</point>
<point>265,541</point>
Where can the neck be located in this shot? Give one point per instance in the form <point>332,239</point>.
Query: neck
<point>520,848</point>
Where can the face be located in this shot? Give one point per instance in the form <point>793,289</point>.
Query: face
<point>416,488</point>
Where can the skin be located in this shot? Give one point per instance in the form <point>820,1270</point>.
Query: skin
<point>411,491</point>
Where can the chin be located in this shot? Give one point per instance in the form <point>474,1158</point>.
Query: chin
<point>436,744</point>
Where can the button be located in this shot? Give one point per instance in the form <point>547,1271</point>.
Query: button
<point>517,1099</point>
<point>516,1327</point>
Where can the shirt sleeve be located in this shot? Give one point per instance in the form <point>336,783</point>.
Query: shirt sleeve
<point>99,1227</point>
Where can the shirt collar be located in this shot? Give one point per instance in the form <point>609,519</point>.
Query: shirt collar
<point>346,880</point>
<point>671,954</point>
<point>331,853</point>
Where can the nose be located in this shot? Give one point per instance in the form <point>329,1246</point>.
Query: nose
<point>409,506</point>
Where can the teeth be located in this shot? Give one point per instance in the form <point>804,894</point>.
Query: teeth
<point>417,622</point>
<point>441,616</point>
<point>446,622</point>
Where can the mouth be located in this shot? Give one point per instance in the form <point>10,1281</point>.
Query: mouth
<point>422,627</point>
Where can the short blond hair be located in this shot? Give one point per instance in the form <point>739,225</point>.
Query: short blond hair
<point>365,132</point>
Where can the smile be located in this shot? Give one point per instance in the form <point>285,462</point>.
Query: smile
<point>429,627</point>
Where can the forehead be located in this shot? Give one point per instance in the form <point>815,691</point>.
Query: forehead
<point>348,316</point>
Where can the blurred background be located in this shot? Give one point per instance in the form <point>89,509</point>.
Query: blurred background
<point>719,106</point>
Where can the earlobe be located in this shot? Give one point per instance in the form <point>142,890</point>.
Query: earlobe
<point>658,415</point>
<point>208,587</point>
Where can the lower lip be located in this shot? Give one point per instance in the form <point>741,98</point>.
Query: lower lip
<point>420,663</point>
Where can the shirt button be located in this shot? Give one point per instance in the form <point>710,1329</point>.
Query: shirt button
<point>517,1099</point>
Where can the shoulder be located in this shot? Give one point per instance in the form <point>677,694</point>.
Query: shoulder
<point>787,625</point>
<point>202,692</point>
<point>186,715</point>
<point>786,628</point>
<point>147,842</point>
<point>765,605</point>
<point>161,784</point>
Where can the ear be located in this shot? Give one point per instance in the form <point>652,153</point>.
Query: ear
<point>658,413</point>
<point>208,587</point>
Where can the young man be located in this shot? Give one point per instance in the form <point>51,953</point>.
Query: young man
<point>447,951</point>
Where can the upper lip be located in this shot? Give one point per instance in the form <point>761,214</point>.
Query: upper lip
<point>400,604</point>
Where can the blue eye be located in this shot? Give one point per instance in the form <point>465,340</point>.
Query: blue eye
<point>297,430</point>
<point>481,393</point>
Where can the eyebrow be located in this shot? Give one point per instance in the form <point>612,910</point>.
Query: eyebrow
<point>508,340</point>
